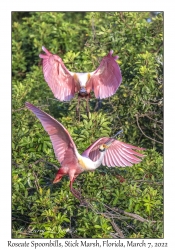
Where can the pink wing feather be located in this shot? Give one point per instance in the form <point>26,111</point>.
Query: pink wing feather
<point>118,154</point>
<point>58,76</point>
<point>62,142</point>
<point>106,79</point>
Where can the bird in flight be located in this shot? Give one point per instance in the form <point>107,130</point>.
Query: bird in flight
<point>105,151</point>
<point>104,81</point>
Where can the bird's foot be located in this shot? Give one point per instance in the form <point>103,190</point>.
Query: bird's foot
<point>84,203</point>
<point>76,193</point>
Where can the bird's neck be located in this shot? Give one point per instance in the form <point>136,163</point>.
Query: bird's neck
<point>87,164</point>
<point>99,161</point>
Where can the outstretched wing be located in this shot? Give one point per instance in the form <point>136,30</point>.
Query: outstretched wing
<point>118,154</point>
<point>62,142</point>
<point>106,79</point>
<point>57,76</point>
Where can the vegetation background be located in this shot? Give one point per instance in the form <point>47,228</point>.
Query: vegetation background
<point>43,210</point>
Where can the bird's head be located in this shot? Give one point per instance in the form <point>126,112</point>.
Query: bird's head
<point>108,143</point>
<point>105,146</point>
<point>83,91</point>
<point>58,177</point>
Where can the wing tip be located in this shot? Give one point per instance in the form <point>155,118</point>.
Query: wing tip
<point>29,105</point>
<point>111,52</point>
<point>114,57</point>
<point>46,51</point>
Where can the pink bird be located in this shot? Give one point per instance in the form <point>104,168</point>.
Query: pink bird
<point>106,151</point>
<point>104,81</point>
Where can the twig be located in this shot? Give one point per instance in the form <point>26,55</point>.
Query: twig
<point>52,99</point>
<point>151,182</point>
<point>120,211</point>
<point>117,229</point>
<point>158,136</point>
<point>13,218</point>
<point>36,181</point>
<point>28,233</point>
<point>46,105</point>
<point>41,160</point>
<point>150,118</point>
<point>51,164</point>
<point>161,44</point>
<point>93,29</point>
<point>16,110</point>
<point>135,216</point>
<point>144,133</point>
<point>143,115</point>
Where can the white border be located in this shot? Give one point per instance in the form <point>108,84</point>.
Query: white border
<point>5,96</point>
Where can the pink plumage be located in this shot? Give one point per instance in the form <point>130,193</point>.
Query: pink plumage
<point>118,154</point>
<point>106,151</point>
<point>104,81</point>
<point>58,76</point>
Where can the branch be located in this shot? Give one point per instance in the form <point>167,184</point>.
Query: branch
<point>117,229</point>
<point>143,132</point>
<point>107,215</point>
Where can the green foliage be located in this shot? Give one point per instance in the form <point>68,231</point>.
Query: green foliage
<point>43,210</point>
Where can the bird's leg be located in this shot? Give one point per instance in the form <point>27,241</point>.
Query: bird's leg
<point>78,108</point>
<point>78,195</point>
<point>75,192</point>
<point>97,105</point>
<point>87,106</point>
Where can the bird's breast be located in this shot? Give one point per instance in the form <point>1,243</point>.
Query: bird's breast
<point>82,78</point>
<point>85,163</point>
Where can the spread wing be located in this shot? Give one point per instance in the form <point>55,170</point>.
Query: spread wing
<point>57,76</point>
<point>62,142</point>
<point>106,79</point>
<point>118,154</point>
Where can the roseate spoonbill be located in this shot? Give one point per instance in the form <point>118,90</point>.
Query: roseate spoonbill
<point>106,151</point>
<point>104,81</point>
